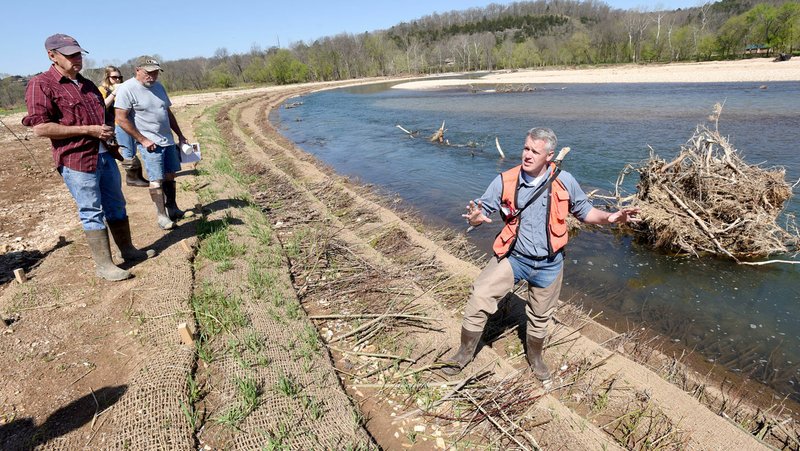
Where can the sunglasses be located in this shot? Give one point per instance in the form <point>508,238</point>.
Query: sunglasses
<point>116,77</point>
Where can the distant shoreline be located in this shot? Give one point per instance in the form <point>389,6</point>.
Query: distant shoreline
<point>761,70</point>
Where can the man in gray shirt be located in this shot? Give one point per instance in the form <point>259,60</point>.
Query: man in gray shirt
<point>534,200</point>
<point>142,110</point>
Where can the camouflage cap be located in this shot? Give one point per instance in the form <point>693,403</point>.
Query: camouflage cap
<point>148,63</point>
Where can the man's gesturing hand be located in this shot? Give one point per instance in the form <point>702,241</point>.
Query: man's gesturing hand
<point>625,215</point>
<point>474,215</point>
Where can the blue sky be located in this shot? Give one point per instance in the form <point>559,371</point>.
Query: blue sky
<point>114,32</point>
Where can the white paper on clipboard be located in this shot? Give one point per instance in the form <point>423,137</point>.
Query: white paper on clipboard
<point>193,156</point>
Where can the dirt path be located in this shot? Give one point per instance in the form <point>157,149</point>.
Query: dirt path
<point>76,345</point>
<point>285,266</point>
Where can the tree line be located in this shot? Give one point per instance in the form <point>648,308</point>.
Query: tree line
<point>513,36</point>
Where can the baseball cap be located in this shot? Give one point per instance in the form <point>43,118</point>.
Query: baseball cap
<point>148,63</point>
<point>64,44</point>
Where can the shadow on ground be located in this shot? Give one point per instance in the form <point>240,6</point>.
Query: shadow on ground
<point>510,314</point>
<point>26,260</point>
<point>23,434</point>
<point>188,228</point>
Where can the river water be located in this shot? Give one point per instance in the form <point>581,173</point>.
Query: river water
<point>743,317</point>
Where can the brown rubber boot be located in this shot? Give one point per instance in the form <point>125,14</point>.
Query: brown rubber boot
<point>133,173</point>
<point>157,195</point>
<point>121,232</point>
<point>173,211</point>
<point>101,254</point>
<point>535,360</point>
<point>469,342</point>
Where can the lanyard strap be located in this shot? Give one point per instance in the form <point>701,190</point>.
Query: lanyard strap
<point>539,191</point>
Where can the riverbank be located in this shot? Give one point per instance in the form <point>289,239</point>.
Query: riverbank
<point>382,291</point>
<point>760,70</point>
<point>351,259</point>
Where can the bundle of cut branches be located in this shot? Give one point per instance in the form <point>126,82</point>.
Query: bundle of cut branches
<point>708,200</point>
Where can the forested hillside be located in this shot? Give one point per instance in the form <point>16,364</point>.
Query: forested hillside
<point>516,35</point>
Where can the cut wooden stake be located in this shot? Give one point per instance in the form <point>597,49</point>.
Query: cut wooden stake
<point>377,356</point>
<point>186,246</point>
<point>19,274</point>
<point>373,315</point>
<point>83,375</point>
<point>186,334</point>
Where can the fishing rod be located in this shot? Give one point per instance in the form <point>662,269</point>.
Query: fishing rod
<point>30,152</point>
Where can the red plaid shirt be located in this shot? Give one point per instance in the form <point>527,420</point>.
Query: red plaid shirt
<point>52,97</point>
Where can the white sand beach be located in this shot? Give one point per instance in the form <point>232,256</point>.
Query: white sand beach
<point>761,70</point>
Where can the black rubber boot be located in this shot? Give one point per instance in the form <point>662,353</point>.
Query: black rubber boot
<point>469,343</point>
<point>173,211</point>
<point>101,254</point>
<point>121,232</point>
<point>535,360</point>
<point>133,173</point>
<point>157,195</point>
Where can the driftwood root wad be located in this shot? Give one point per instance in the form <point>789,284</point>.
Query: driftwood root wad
<point>708,200</point>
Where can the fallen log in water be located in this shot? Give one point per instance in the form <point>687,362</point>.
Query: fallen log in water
<point>408,132</point>
<point>438,136</point>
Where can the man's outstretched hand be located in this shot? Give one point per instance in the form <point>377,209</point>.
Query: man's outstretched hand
<point>630,214</point>
<point>474,215</point>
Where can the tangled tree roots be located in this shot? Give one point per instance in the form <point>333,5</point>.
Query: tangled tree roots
<point>709,201</point>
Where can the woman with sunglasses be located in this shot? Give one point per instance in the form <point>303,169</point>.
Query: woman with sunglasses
<point>127,146</point>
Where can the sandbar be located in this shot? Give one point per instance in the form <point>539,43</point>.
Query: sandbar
<point>760,70</point>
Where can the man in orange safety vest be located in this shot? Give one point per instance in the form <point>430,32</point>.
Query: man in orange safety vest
<point>533,199</point>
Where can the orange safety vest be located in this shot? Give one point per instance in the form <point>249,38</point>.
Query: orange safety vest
<point>557,211</point>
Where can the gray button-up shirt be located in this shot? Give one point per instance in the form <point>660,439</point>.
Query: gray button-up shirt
<point>532,234</point>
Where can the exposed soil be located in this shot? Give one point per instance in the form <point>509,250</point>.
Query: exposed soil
<point>384,292</point>
<point>32,205</point>
<point>72,342</point>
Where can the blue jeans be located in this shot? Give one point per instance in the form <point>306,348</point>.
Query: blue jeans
<point>162,160</point>
<point>98,194</point>
<point>539,273</point>
<point>127,145</point>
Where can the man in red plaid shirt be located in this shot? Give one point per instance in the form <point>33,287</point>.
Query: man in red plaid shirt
<point>68,108</point>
